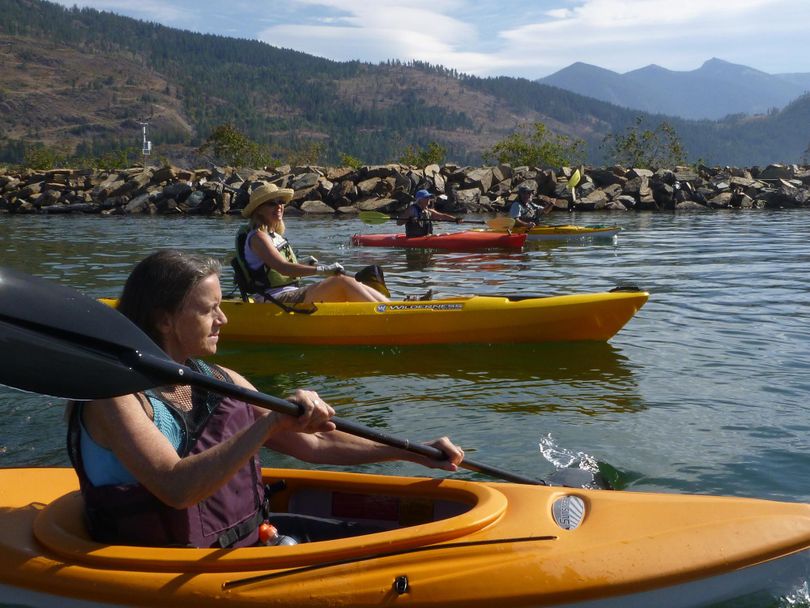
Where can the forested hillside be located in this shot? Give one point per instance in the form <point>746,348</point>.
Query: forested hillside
<point>81,80</point>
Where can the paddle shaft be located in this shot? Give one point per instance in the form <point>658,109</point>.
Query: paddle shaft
<point>174,373</point>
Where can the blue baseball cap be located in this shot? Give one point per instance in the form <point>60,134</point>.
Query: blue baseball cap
<point>422,194</point>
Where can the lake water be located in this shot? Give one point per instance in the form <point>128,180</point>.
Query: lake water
<point>704,391</point>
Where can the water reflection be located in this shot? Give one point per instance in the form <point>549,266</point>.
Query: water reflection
<point>590,378</point>
<point>705,389</point>
<point>418,259</point>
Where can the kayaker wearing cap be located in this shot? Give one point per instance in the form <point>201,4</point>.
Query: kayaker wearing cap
<point>270,266</point>
<point>178,465</point>
<point>418,217</point>
<point>524,211</point>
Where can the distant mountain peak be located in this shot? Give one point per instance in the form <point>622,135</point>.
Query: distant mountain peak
<point>715,61</point>
<point>714,90</point>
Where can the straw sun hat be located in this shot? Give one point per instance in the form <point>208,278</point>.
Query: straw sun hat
<point>264,194</point>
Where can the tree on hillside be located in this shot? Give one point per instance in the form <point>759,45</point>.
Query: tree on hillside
<point>433,154</point>
<point>231,147</point>
<point>347,160</point>
<point>644,147</point>
<point>535,146</point>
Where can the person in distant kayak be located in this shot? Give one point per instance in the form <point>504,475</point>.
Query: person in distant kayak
<point>179,465</point>
<point>418,217</point>
<point>270,266</point>
<point>524,211</point>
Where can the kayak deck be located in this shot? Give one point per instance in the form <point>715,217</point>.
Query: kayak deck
<point>477,319</point>
<point>454,543</point>
<point>469,240</point>
<point>566,232</point>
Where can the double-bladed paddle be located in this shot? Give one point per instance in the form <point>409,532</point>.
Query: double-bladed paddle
<point>496,223</point>
<point>61,343</point>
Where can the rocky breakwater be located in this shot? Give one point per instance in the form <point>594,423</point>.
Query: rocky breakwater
<point>389,188</point>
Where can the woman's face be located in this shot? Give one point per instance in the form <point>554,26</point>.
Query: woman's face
<point>193,331</point>
<point>271,212</point>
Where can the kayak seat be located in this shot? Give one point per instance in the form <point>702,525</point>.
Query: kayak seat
<point>240,280</point>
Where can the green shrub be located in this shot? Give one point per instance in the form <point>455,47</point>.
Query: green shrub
<point>536,146</point>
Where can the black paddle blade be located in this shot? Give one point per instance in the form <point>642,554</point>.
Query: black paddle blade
<point>373,277</point>
<point>578,478</point>
<point>56,341</point>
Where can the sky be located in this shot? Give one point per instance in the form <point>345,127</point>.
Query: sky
<point>521,38</point>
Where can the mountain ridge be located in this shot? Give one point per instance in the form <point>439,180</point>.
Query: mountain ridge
<point>82,79</point>
<point>691,94</point>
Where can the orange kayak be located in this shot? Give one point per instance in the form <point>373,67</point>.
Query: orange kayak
<point>442,543</point>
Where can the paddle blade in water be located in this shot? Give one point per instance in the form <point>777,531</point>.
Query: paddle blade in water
<point>59,342</point>
<point>501,223</point>
<point>578,478</point>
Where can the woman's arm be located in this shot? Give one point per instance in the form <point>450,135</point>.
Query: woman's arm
<point>121,425</point>
<point>339,448</point>
<point>336,447</point>
<point>262,246</point>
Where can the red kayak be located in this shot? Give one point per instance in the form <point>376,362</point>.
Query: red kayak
<point>463,241</point>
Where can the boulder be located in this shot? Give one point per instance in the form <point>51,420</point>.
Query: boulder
<point>377,204</point>
<point>774,172</point>
<point>306,181</point>
<point>370,186</point>
<point>480,178</point>
<point>606,177</point>
<point>316,208</point>
<point>721,201</point>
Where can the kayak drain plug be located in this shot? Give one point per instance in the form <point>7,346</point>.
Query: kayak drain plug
<point>401,584</point>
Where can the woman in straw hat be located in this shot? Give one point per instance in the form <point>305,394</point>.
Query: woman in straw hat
<point>269,263</point>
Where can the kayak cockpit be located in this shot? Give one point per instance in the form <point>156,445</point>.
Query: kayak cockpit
<point>412,512</point>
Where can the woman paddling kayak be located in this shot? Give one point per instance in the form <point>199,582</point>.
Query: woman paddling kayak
<point>270,267</point>
<point>418,218</point>
<point>179,466</point>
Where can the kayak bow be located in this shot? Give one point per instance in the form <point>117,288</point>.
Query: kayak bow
<point>447,543</point>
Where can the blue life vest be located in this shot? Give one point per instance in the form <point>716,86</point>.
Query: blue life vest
<point>419,222</point>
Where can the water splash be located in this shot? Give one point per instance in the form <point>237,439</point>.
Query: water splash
<point>563,458</point>
<point>798,598</point>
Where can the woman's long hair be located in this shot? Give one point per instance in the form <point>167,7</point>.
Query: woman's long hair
<point>160,283</point>
<point>257,223</point>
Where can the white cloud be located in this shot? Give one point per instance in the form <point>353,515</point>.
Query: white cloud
<point>623,35</point>
<point>420,30</point>
<point>530,38</point>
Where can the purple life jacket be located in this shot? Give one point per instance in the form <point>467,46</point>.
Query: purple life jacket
<point>129,514</point>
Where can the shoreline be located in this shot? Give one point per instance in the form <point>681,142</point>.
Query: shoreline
<point>345,191</point>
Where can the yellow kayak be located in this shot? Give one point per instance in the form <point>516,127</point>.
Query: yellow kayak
<point>444,543</point>
<point>567,232</point>
<point>483,319</point>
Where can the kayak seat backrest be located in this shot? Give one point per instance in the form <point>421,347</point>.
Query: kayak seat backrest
<point>240,279</point>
